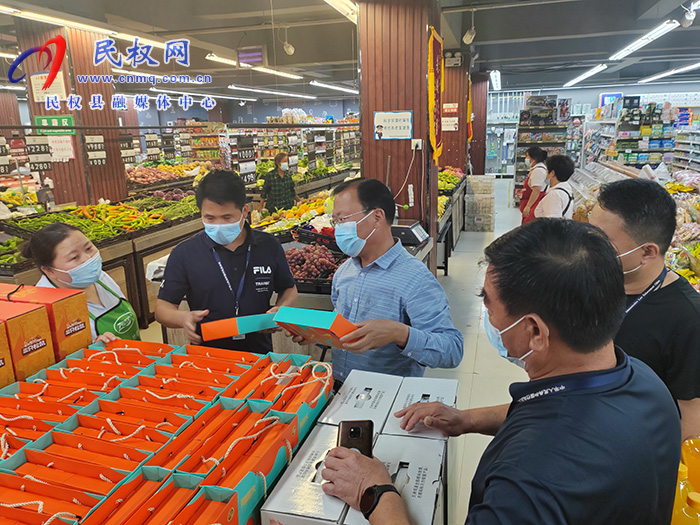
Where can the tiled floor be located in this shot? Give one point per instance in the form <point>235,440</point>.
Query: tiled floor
<point>483,375</point>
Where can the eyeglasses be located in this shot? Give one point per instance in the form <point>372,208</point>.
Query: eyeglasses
<point>341,220</point>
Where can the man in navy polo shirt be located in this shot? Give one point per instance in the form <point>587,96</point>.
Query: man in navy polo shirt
<point>228,270</point>
<point>593,437</point>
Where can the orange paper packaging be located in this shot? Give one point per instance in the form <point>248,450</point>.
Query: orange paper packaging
<point>29,337</point>
<point>315,326</point>
<point>7,373</point>
<point>67,311</point>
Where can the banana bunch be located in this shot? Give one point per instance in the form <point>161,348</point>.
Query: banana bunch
<point>15,197</point>
<point>442,205</point>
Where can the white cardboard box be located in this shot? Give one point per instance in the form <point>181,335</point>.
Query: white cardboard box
<point>298,498</point>
<point>421,390</point>
<point>364,395</point>
<point>415,465</point>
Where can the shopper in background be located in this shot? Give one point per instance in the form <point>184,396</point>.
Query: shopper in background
<point>278,193</point>
<point>593,437</point>
<point>662,325</point>
<point>399,306</point>
<point>558,202</point>
<point>68,259</point>
<point>225,271</point>
<point>535,184</point>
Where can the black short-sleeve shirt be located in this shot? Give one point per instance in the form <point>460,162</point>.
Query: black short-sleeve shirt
<point>664,331</point>
<point>192,272</point>
<point>607,454</point>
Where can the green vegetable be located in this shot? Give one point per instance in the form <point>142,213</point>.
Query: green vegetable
<point>93,230</point>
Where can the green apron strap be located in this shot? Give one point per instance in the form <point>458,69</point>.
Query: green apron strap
<point>120,320</point>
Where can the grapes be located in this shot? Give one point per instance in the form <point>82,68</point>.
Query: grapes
<point>311,262</point>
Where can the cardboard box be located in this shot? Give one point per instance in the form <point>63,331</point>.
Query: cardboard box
<point>415,466</point>
<point>237,326</point>
<point>67,311</point>
<point>298,498</point>
<point>315,326</point>
<point>29,336</point>
<point>421,390</point>
<point>364,395</point>
<point>7,372</point>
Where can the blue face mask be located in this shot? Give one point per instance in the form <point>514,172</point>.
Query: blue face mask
<point>284,166</point>
<point>223,234</point>
<point>494,336</point>
<point>347,239</point>
<point>84,275</point>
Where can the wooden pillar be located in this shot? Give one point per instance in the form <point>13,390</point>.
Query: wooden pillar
<point>76,180</point>
<point>454,151</point>
<point>9,113</point>
<point>477,147</point>
<point>393,36</point>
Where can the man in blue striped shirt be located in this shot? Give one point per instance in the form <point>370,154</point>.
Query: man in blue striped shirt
<point>400,308</point>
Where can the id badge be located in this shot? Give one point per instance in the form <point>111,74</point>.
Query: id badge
<point>238,337</point>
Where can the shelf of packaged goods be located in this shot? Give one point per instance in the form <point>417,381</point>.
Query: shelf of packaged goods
<point>628,163</point>
<point>608,135</point>
<point>541,142</point>
<point>205,147</point>
<point>204,135</point>
<point>550,126</point>
<point>690,143</point>
<point>649,150</point>
<point>687,166</point>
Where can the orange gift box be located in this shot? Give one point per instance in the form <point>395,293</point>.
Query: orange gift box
<point>67,310</point>
<point>25,428</point>
<point>216,380</point>
<point>315,326</point>
<point>55,393</point>
<point>243,358</point>
<point>208,364</point>
<point>29,337</point>
<point>32,409</point>
<point>128,356</point>
<point>262,380</point>
<point>179,386</point>
<point>92,450</point>
<point>202,510</point>
<point>156,350</point>
<point>95,381</point>
<point>159,419</point>
<point>129,435</point>
<point>103,367</point>
<point>67,473</point>
<point>172,496</point>
<point>150,399</point>
<point>7,372</point>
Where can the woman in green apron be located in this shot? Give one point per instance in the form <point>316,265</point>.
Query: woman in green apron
<point>68,259</point>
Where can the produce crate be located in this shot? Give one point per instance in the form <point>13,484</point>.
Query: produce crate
<point>305,236</point>
<point>479,223</point>
<point>9,270</point>
<point>318,286</point>
<point>481,184</point>
<point>479,204</point>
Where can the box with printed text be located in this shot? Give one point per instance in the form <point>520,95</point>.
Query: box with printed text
<point>29,337</point>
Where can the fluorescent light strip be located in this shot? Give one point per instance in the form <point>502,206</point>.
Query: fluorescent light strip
<point>8,55</point>
<point>496,80</point>
<point>670,72</point>
<point>337,88</point>
<point>657,32</point>
<point>346,8</point>
<point>29,15</point>
<point>269,92</point>
<point>13,88</point>
<point>261,69</point>
<point>589,73</point>
<point>212,95</point>
<point>131,38</point>
<point>216,58</point>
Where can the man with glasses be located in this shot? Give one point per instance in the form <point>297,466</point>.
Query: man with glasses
<point>400,308</point>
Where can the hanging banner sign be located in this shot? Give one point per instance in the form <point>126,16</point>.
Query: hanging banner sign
<point>436,82</point>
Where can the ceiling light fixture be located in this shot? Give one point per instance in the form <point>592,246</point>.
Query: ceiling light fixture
<point>657,32</point>
<point>216,58</point>
<point>337,88</point>
<point>261,69</point>
<point>470,35</point>
<point>496,80</point>
<point>589,73</point>
<point>270,92</point>
<point>38,17</point>
<point>689,16</point>
<point>670,72</point>
<point>13,88</point>
<point>213,95</point>
<point>8,55</point>
<point>288,48</point>
<point>346,8</point>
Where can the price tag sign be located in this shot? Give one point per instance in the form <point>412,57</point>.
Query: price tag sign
<point>40,162</point>
<point>153,151</point>
<point>126,141</point>
<point>246,167</point>
<point>153,157</point>
<point>169,155</point>
<point>312,165</point>
<point>5,167</point>
<point>151,136</point>
<point>249,178</point>
<point>152,143</point>
<point>186,149</point>
<point>95,146</point>
<point>36,148</point>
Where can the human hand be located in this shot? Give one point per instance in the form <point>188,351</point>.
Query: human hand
<point>189,324</point>
<point>438,416</point>
<point>375,334</point>
<point>107,337</point>
<point>526,212</point>
<point>348,474</point>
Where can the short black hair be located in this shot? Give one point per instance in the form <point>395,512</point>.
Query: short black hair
<point>566,272</point>
<point>536,153</point>
<point>647,209</point>
<point>562,166</point>
<point>41,246</point>
<point>221,187</point>
<point>373,195</point>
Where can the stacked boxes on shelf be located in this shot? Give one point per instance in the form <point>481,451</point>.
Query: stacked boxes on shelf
<point>133,432</point>
<point>415,460</point>
<point>480,203</point>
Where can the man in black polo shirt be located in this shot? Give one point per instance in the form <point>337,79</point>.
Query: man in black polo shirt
<point>593,437</point>
<point>662,325</point>
<point>228,270</point>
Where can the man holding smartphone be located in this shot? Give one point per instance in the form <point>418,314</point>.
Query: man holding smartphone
<point>593,437</point>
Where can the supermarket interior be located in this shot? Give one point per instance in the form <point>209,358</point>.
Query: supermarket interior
<point>261,262</point>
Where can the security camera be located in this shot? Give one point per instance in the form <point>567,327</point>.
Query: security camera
<point>469,36</point>
<point>288,48</point>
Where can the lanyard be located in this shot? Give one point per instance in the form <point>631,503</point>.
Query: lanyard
<point>237,295</point>
<point>652,288</point>
<point>576,384</point>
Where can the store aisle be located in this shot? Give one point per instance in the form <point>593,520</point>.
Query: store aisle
<point>483,375</point>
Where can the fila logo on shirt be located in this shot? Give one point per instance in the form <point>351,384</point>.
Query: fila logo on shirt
<point>265,270</point>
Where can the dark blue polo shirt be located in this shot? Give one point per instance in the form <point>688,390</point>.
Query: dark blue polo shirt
<point>192,272</point>
<point>607,454</point>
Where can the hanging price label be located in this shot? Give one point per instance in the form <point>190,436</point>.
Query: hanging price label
<point>169,155</point>
<point>152,143</point>
<point>95,146</point>
<point>97,158</point>
<point>249,178</point>
<point>40,166</point>
<point>153,157</point>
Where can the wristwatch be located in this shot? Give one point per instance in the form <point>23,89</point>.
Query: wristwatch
<point>370,498</point>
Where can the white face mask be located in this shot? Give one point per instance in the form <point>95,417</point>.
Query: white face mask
<point>620,256</point>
